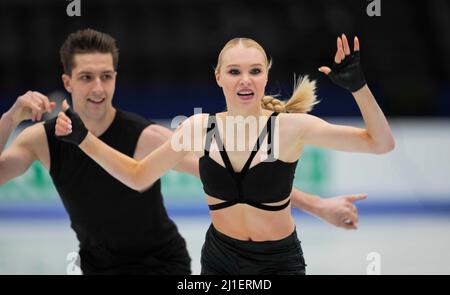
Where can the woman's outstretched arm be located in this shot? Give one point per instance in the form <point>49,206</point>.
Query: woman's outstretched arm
<point>137,175</point>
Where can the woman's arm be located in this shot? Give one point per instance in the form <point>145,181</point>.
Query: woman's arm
<point>156,135</point>
<point>347,73</point>
<point>375,138</point>
<point>135,174</point>
<point>376,123</point>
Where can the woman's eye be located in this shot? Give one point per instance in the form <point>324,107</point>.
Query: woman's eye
<point>234,72</point>
<point>255,71</point>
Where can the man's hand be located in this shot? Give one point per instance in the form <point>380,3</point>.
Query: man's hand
<point>340,211</point>
<point>32,105</point>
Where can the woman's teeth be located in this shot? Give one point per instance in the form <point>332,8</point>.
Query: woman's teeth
<point>245,95</point>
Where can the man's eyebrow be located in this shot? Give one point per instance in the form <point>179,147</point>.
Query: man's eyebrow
<point>83,73</point>
<point>89,72</point>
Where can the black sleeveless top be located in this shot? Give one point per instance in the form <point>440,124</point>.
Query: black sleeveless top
<point>109,218</point>
<point>267,182</point>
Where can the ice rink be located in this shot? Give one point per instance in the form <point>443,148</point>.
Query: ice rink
<point>414,244</point>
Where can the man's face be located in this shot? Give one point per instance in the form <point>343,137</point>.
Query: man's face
<point>91,84</point>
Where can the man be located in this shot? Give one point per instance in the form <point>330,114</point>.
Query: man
<point>120,230</point>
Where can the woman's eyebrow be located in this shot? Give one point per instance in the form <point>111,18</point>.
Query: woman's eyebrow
<point>253,65</point>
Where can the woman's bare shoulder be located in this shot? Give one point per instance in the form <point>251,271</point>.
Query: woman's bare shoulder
<point>296,123</point>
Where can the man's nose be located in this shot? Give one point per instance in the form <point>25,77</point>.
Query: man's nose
<point>98,86</point>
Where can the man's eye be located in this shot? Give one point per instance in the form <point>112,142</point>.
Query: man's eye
<point>234,72</point>
<point>106,77</point>
<point>85,77</point>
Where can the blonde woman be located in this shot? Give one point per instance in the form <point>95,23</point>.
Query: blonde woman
<point>252,229</point>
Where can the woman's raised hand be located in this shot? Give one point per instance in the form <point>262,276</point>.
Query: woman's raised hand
<point>346,70</point>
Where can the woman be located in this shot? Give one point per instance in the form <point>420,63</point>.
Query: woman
<point>247,190</point>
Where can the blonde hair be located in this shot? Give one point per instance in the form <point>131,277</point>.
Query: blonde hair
<point>303,97</point>
<point>302,100</point>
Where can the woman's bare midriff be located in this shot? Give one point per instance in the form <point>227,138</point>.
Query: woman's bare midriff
<point>247,223</point>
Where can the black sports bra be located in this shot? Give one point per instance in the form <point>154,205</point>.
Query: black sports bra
<point>266,182</point>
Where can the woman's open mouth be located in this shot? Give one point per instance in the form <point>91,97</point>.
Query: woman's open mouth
<point>245,95</point>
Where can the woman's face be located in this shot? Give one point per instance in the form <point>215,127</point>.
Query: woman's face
<point>243,77</point>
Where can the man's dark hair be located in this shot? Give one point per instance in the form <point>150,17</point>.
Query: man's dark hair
<point>87,41</point>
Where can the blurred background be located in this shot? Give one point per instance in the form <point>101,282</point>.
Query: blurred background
<point>167,53</point>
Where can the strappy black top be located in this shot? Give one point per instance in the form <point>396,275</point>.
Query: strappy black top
<point>269,181</point>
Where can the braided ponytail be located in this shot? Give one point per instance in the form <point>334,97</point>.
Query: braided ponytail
<point>302,100</point>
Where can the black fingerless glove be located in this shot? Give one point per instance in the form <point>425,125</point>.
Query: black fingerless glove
<point>348,74</point>
<point>79,131</point>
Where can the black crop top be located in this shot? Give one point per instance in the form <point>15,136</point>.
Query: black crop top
<point>266,182</point>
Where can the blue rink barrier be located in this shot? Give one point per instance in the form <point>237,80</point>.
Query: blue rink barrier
<point>365,208</point>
